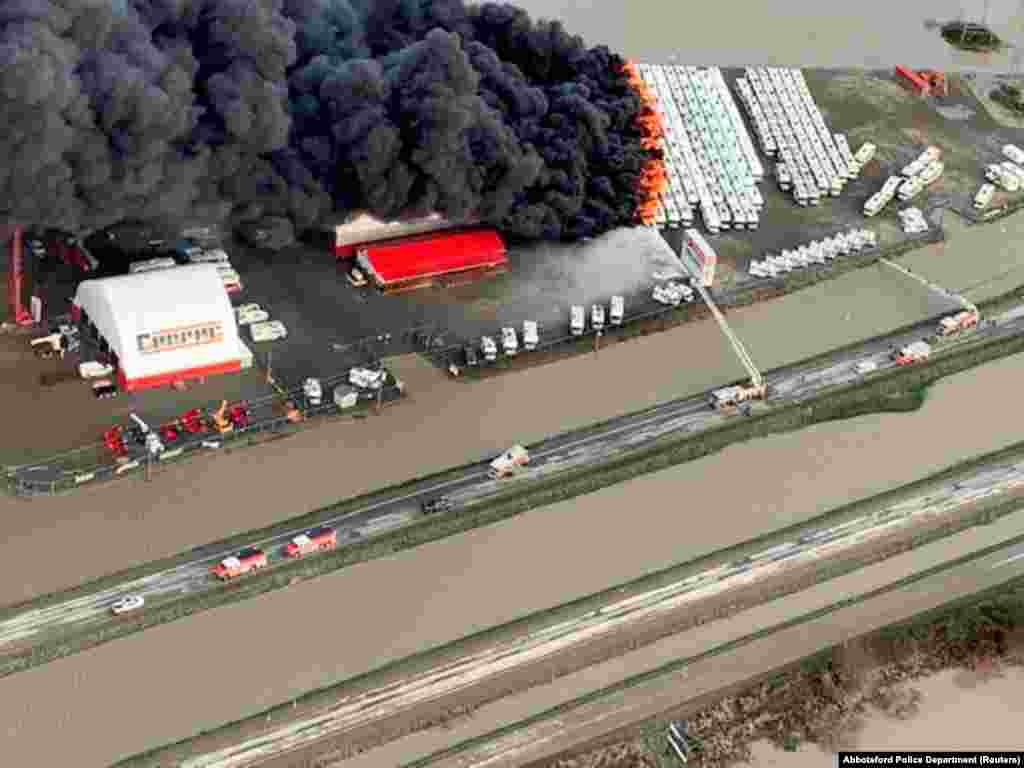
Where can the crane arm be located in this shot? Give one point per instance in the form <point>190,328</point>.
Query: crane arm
<point>755,375</point>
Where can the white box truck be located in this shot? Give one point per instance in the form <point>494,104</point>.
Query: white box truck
<point>577,321</point>
<point>531,336</point>
<point>509,462</point>
<point>618,310</point>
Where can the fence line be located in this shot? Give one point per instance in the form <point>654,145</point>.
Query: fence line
<point>185,447</point>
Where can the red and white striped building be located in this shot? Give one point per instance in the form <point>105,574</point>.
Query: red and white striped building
<point>162,327</point>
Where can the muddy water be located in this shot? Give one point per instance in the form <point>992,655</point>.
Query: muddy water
<point>872,33</point>
<point>390,608</point>
<point>857,305</point>
<point>991,266</point>
<point>955,714</point>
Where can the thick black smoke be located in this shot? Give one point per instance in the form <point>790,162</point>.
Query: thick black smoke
<point>170,110</point>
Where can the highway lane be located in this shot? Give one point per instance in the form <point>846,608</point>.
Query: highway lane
<point>556,454</point>
<point>846,541</point>
<point>704,673</point>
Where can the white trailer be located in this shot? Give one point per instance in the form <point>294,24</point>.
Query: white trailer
<point>577,320</point>
<point>618,310</point>
<point>531,335</point>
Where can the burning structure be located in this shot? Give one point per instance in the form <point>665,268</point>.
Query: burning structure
<point>309,109</point>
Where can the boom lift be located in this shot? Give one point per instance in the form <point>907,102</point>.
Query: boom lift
<point>728,398</point>
<point>220,419</point>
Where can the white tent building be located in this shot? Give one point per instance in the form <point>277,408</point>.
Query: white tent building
<point>163,326</point>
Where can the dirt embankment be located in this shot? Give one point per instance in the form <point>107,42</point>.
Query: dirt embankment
<point>829,701</point>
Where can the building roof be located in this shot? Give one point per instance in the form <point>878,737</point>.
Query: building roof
<point>165,320</point>
<point>361,228</point>
<point>433,255</point>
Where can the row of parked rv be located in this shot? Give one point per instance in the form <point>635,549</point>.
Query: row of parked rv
<point>1007,175</point>
<point>600,318</point>
<point>815,252</point>
<point>813,161</point>
<point>911,181</point>
<point>195,254</point>
<point>710,160</point>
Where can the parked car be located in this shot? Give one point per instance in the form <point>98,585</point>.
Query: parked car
<point>472,358</point>
<point>268,331</point>
<point>128,603</point>
<point>251,313</point>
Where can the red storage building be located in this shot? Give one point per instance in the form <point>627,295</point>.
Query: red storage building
<point>414,262</point>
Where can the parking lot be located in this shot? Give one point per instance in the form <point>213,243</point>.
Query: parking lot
<point>333,325</point>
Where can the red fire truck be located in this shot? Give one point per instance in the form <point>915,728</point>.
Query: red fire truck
<point>315,540</point>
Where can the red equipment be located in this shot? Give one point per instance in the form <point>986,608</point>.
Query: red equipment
<point>921,86</point>
<point>15,286</point>
<point>193,422</point>
<point>71,251</point>
<point>249,559</point>
<point>239,415</point>
<point>113,438</point>
<point>169,433</point>
<point>315,540</point>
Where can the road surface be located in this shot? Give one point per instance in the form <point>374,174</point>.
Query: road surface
<point>793,383</point>
<point>853,540</point>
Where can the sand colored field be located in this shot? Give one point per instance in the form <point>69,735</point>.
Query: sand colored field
<point>390,608</point>
<point>956,713</point>
<point>445,424</point>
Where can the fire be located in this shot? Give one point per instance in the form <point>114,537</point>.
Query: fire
<point>653,179</point>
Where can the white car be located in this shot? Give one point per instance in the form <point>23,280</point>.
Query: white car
<point>126,604</point>
<point>215,256</point>
<point>251,313</point>
<point>268,331</point>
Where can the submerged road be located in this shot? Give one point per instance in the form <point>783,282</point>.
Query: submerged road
<point>786,385</point>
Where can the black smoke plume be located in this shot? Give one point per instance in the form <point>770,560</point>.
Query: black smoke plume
<point>178,110</point>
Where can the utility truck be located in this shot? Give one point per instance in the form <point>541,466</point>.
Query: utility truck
<point>917,352</point>
<point>248,560</point>
<point>953,325</point>
<point>506,464</point>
